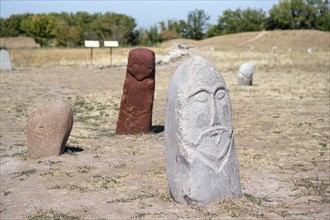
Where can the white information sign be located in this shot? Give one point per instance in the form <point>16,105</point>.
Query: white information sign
<point>92,43</point>
<point>111,44</point>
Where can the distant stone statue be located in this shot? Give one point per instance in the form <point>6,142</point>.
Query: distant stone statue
<point>5,64</point>
<point>48,129</point>
<point>310,50</point>
<point>245,74</point>
<point>274,49</point>
<point>200,151</point>
<point>135,115</point>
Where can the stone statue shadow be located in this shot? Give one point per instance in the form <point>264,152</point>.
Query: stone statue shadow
<point>157,129</point>
<point>70,149</point>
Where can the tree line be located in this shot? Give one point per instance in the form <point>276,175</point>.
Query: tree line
<point>71,29</point>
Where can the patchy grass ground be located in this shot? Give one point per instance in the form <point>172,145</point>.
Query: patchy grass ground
<point>281,127</point>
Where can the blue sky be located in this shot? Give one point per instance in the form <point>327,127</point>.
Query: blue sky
<point>146,13</point>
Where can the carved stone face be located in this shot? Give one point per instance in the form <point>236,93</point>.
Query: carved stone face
<point>47,120</point>
<point>205,108</point>
<point>135,114</point>
<point>141,63</point>
<point>200,150</point>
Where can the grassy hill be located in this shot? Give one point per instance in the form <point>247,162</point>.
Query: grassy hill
<point>259,40</point>
<point>265,40</point>
<point>297,40</point>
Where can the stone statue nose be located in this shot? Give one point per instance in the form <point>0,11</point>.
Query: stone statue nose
<point>41,124</point>
<point>216,114</point>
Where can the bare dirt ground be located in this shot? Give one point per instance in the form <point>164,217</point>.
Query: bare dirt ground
<point>281,128</point>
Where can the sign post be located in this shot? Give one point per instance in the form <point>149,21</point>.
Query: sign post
<point>92,44</point>
<point>111,44</point>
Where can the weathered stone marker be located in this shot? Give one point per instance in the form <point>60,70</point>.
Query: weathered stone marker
<point>48,129</point>
<point>200,150</point>
<point>135,114</point>
<point>5,63</point>
<point>245,74</point>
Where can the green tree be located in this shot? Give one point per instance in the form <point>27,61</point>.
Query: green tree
<point>214,30</point>
<point>61,32</point>
<point>172,29</point>
<point>150,36</point>
<point>12,26</point>
<point>196,24</point>
<point>322,14</point>
<point>3,32</point>
<point>40,27</point>
<point>112,26</point>
<point>299,14</point>
<point>323,21</point>
<point>66,35</point>
<point>303,14</point>
<point>239,21</point>
<point>82,19</point>
<point>134,37</point>
<point>68,29</point>
<point>121,27</point>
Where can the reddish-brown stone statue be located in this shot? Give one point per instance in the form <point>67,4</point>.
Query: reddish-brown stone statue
<point>48,129</point>
<point>135,115</point>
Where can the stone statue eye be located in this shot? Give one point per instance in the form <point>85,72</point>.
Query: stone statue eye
<point>220,94</point>
<point>201,97</point>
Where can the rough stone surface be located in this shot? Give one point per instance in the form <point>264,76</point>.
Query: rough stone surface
<point>48,129</point>
<point>245,74</point>
<point>200,151</point>
<point>171,56</point>
<point>135,115</point>
<point>5,64</point>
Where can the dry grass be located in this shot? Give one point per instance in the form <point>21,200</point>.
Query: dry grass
<point>297,60</point>
<point>18,43</point>
<point>238,45</point>
<point>265,41</point>
<point>282,139</point>
<point>71,57</point>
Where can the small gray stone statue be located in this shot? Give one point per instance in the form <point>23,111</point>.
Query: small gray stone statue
<point>245,74</point>
<point>200,150</point>
<point>5,64</point>
<point>48,129</point>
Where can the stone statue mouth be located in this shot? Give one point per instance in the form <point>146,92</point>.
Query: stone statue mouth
<point>213,155</point>
<point>214,132</point>
<point>216,136</point>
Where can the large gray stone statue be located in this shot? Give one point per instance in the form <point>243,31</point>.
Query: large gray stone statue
<point>48,129</point>
<point>200,150</point>
<point>245,74</point>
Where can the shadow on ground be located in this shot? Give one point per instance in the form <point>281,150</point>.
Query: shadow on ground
<point>72,149</point>
<point>157,129</point>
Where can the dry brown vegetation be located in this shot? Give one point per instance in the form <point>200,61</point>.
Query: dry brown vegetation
<point>281,125</point>
<point>18,43</point>
<point>297,41</point>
